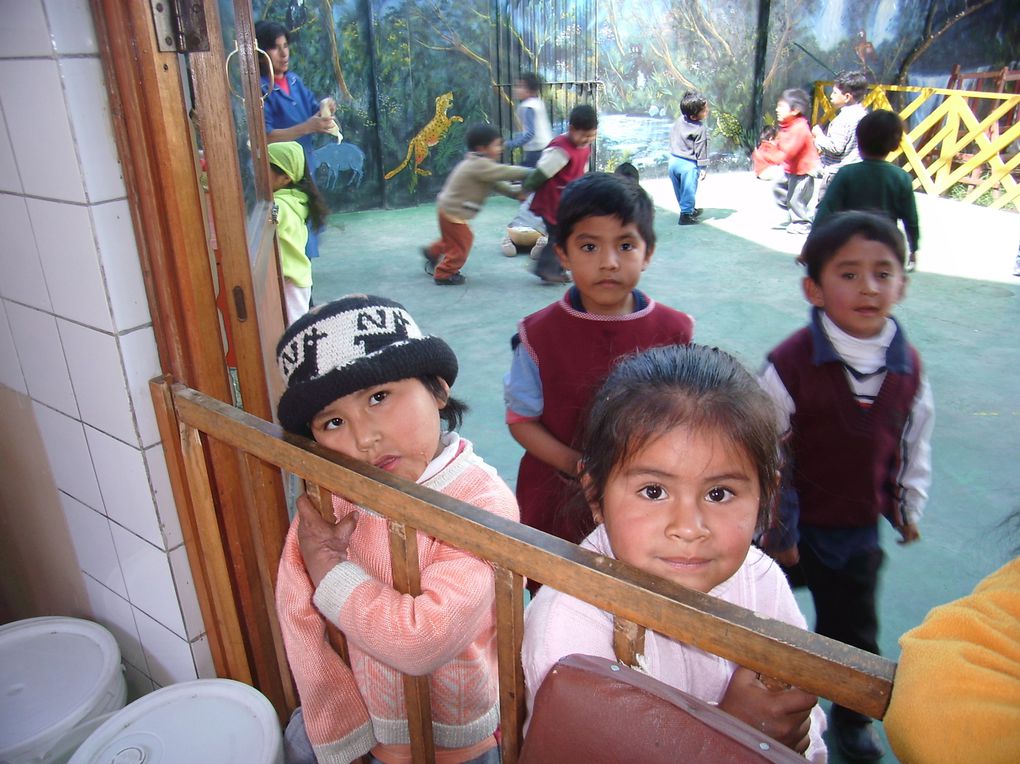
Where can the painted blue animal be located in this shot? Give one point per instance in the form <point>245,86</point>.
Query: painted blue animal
<point>334,158</point>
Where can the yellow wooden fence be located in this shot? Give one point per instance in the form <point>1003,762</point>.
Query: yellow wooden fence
<point>953,141</point>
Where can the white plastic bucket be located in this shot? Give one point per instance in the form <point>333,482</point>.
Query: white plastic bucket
<point>56,676</point>
<point>208,720</point>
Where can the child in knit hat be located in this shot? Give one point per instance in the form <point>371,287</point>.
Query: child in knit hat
<point>299,209</point>
<point>362,380</point>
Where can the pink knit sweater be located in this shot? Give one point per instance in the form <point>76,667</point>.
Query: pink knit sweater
<point>448,632</point>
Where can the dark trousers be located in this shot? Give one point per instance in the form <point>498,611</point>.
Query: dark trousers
<point>844,601</point>
<point>548,264</point>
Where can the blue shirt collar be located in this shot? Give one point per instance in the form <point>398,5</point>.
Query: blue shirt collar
<point>897,359</point>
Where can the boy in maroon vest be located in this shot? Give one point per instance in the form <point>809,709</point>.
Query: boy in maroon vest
<point>858,414</point>
<point>563,352</point>
<point>564,160</point>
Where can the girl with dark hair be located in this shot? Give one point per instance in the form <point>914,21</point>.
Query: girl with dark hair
<point>679,469</point>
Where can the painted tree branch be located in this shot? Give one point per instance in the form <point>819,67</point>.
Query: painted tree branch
<point>341,83</point>
<point>929,36</point>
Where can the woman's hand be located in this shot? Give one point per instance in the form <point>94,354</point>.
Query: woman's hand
<point>782,714</point>
<point>323,546</point>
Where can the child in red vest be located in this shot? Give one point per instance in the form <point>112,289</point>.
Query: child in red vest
<point>564,160</point>
<point>858,414</point>
<point>563,352</point>
<point>795,191</point>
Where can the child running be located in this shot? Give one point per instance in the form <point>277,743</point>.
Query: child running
<point>564,351</point>
<point>858,414</point>
<point>476,176</point>
<point>794,192</point>
<point>363,381</point>
<point>679,470</point>
<point>299,209</point>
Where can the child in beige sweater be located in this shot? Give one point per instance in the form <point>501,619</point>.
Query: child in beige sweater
<point>476,176</point>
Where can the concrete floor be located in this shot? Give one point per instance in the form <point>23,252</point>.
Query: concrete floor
<point>738,278</point>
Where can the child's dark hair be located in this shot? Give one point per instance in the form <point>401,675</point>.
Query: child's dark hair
<point>453,412</point>
<point>266,34</point>
<point>600,194</point>
<point>768,133</point>
<point>318,211</point>
<point>852,82</point>
<point>531,81</point>
<point>695,387</point>
<point>796,99</point>
<point>692,104</point>
<point>878,133</point>
<point>628,171</point>
<point>583,117</point>
<point>827,237</point>
<point>480,135</point>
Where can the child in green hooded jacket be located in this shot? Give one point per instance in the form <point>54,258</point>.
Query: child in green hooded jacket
<point>298,206</point>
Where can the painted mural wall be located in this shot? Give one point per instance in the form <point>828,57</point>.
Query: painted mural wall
<point>410,75</point>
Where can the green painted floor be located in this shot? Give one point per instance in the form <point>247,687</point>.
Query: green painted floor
<point>738,278</point>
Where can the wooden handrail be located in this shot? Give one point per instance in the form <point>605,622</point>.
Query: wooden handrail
<point>844,674</point>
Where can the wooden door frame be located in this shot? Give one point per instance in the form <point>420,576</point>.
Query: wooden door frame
<point>156,146</point>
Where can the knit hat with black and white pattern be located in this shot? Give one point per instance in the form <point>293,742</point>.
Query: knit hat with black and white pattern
<point>347,345</point>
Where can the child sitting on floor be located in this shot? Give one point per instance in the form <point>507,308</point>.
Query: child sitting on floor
<point>363,381</point>
<point>679,468</point>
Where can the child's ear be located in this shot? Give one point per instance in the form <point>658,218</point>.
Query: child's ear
<point>442,400</point>
<point>561,255</point>
<point>813,292</point>
<point>586,487</point>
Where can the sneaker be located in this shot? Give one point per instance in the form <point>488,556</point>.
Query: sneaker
<point>456,279</point>
<point>554,278</point>
<point>431,261</point>
<point>539,246</point>
<point>507,247</point>
<point>798,229</point>
<point>687,219</point>
<point>696,212</point>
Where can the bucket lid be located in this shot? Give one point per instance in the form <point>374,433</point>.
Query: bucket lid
<point>53,671</point>
<point>205,720</point>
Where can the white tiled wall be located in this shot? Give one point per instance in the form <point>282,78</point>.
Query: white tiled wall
<point>76,337</point>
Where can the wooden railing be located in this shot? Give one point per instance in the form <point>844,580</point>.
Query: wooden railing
<point>819,665</point>
<point>969,136</point>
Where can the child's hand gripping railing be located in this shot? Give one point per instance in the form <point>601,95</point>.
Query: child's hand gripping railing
<point>851,677</point>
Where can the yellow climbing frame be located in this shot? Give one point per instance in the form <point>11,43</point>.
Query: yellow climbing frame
<point>948,145</point>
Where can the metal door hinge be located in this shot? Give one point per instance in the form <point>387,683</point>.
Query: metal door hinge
<point>180,25</point>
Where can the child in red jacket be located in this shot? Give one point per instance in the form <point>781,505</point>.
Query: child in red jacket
<point>795,191</point>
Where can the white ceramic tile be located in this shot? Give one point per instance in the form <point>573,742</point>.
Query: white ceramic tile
<point>188,599</point>
<point>70,262</point>
<point>71,27</point>
<point>40,129</point>
<point>68,454</point>
<point>141,363</point>
<point>9,178</point>
<point>166,508</point>
<point>98,380</point>
<point>23,29</point>
<point>42,357</point>
<point>149,582</point>
<point>114,612</point>
<point>169,657</point>
<point>124,483</point>
<point>19,257</point>
<point>138,684</point>
<point>89,108</point>
<point>10,365</point>
<point>121,267</point>
<point>203,658</point>
<point>93,543</point>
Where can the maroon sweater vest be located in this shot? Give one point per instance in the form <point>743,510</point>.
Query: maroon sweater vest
<point>574,352</point>
<point>845,457</point>
<point>547,198</point>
